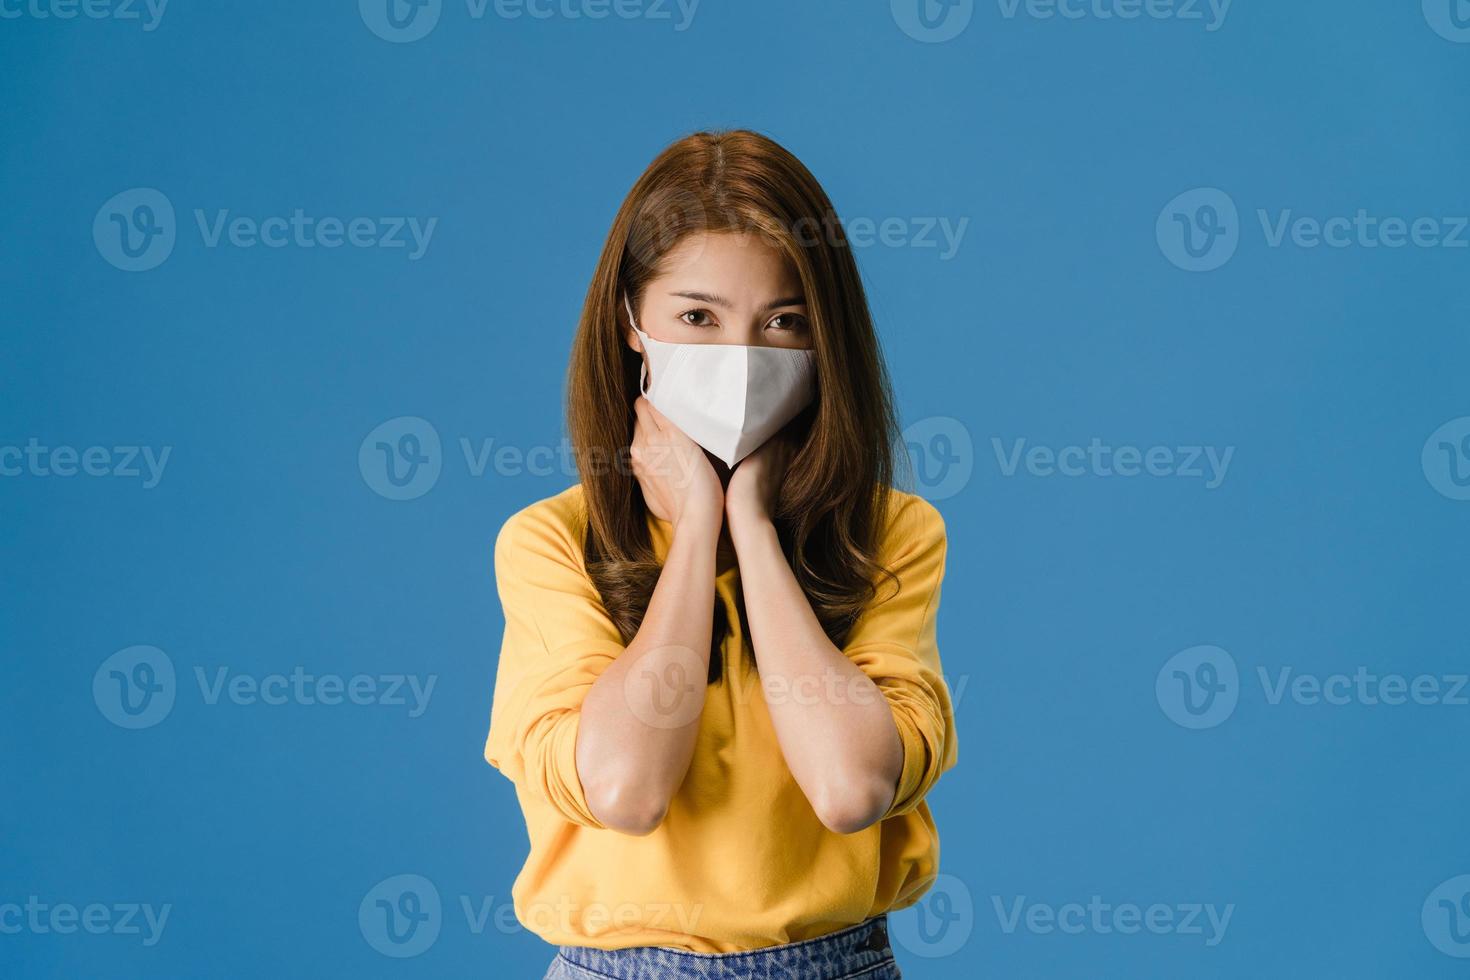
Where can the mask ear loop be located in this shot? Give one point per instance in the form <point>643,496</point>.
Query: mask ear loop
<point>642,360</point>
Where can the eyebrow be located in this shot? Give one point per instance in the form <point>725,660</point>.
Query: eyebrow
<point>713,300</point>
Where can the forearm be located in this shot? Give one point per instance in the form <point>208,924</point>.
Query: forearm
<point>640,719</point>
<point>835,728</point>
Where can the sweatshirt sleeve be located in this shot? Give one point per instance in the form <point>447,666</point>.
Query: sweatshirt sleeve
<point>894,643</point>
<point>558,640</point>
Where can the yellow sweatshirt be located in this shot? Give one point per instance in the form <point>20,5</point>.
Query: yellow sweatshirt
<point>740,861</point>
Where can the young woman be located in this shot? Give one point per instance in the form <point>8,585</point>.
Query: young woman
<point>719,696</point>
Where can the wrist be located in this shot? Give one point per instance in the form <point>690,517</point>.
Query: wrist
<point>698,525</point>
<point>749,523</point>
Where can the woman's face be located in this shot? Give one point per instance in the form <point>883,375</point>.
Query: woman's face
<point>724,288</point>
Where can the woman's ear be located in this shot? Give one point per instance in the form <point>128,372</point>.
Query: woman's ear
<point>630,336</point>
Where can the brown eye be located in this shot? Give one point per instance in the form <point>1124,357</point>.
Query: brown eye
<point>696,318</point>
<point>789,321</point>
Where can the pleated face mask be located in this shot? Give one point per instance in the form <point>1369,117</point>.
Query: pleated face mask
<point>729,398</point>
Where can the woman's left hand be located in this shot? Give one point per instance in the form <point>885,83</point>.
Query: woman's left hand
<point>755,483</point>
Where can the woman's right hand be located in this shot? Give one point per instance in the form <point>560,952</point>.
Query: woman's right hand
<point>679,484</point>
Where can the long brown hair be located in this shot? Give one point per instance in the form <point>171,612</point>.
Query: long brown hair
<point>834,497</point>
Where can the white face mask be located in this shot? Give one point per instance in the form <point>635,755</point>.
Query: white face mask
<point>728,398</point>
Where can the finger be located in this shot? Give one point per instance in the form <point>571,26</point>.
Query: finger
<point>647,414</point>
<point>670,433</point>
<point>659,419</point>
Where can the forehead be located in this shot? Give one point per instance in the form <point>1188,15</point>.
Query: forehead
<point>731,258</point>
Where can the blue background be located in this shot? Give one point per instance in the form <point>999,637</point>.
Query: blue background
<point>1060,318</point>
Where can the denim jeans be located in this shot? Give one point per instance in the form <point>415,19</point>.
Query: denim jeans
<point>861,952</point>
